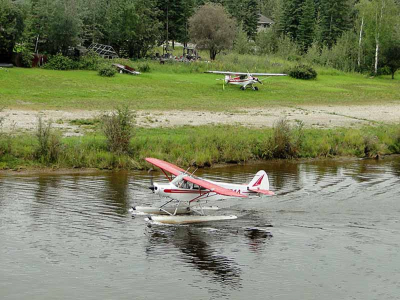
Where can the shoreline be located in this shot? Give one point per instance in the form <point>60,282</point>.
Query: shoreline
<point>91,171</point>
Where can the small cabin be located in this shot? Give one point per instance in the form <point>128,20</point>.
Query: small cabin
<point>264,23</point>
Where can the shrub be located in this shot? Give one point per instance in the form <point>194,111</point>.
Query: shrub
<point>286,48</point>
<point>60,62</point>
<point>49,147</point>
<point>343,55</point>
<point>5,139</point>
<point>90,61</point>
<point>144,67</point>
<point>371,146</point>
<point>302,72</point>
<point>241,44</point>
<point>266,41</point>
<point>26,52</point>
<point>286,140</point>
<point>107,71</point>
<point>118,129</point>
<point>294,57</point>
<point>395,146</point>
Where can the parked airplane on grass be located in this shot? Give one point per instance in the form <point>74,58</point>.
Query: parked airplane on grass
<point>244,80</point>
<point>186,192</point>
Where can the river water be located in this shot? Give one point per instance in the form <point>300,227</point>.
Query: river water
<point>331,232</point>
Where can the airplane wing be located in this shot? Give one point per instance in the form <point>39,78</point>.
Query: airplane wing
<point>171,168</point>
<point>244,73</point>
<point>213,187</point>
<point>264,192</point>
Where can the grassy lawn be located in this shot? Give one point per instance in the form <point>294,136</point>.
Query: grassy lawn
<point>166,88</point>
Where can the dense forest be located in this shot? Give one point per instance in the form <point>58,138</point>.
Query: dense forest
<point>350,35</point>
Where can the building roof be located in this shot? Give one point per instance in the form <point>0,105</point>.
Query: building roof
<point>263,19</point>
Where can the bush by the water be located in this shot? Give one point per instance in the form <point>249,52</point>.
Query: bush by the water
<point>60,62</point>
<point>302,72</point>
<point>118,129</point>
<point>107,71</point>
<point>49,143</point>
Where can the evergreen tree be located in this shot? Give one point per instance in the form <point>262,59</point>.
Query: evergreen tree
<point>174,16</point>
<point>187,11</point>
<point>270,8</point>
<point>334,20</point>
<point>289,20</point>
<point>307,25</point>
<point>250,19</point>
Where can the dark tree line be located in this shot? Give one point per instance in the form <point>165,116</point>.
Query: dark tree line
<point>132,27</point>
<point>363,33</point>
<point>321,21</point>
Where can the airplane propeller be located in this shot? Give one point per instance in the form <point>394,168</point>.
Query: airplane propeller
<point>151,187</point>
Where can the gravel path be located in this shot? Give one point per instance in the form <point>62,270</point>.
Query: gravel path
<point>311,116</point>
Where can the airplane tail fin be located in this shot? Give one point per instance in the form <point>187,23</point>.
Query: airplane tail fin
<point>260,181</point>
<point>227,78</point>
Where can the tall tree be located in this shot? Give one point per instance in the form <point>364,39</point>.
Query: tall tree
<point>270,8</point>
<point>381,19</point>
<point>212,28</point>
<point>65,26</point>
<point>334,20</point>
<point>134,27</point>
<point>11,27</point>
<point>391,57</point>
<point>289,20</point>
<point>250,19</point>
<point>174,16</point>
<point>56,25</point>
<point>307,25</point>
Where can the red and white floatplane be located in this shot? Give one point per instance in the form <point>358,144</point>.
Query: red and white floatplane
<point>186,193</point>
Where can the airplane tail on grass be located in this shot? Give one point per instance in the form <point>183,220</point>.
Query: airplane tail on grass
<point>260,184</point>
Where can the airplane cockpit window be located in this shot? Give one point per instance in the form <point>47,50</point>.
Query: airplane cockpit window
<point>185,184</point>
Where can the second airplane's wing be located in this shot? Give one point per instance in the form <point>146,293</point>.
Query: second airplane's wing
<point>244,73</point>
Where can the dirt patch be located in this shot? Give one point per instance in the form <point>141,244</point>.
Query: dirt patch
<point>311,116</point>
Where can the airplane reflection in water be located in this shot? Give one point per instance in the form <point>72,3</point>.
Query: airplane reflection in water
<point>191,241</point>
<point>197,252</point>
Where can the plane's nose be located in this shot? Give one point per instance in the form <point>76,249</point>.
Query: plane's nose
<point>154,188</point>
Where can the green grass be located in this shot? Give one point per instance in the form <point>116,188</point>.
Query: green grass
<point>198,146</point>
<point>184,86</point>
